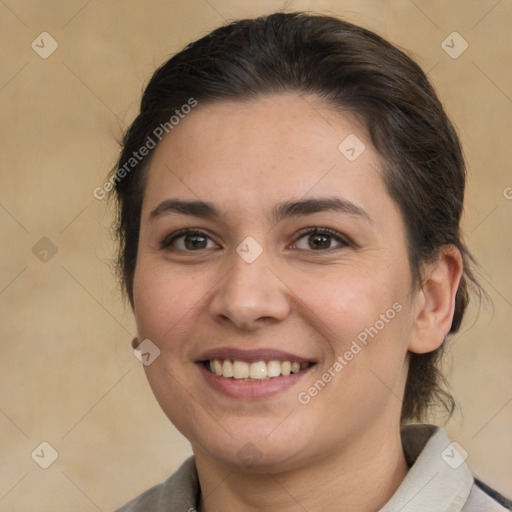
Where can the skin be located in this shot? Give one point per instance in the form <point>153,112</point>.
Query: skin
<point>245,158</point>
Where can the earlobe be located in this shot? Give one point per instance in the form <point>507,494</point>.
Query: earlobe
<point>135,343</point>
<point>435,301</point>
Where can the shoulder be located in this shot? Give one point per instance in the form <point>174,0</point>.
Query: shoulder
<point>484,498</point>
<point>178,492</point>
<point>439,478</point>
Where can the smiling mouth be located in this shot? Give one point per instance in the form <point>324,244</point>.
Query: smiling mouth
<point>253,372</point>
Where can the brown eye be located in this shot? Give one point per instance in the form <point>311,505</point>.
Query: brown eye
<point>188,240</point>
<point>195,242</point>
<point>318,239</point>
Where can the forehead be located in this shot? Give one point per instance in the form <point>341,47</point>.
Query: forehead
<point>252,155</point>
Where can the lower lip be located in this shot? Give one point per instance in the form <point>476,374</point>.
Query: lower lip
<point>251,389</point>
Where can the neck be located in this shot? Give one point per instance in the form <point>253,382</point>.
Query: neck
<point>360,478</point>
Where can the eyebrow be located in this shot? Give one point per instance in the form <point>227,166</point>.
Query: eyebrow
<point>281,211</point>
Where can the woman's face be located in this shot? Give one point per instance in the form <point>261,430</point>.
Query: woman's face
<point>260,283</point>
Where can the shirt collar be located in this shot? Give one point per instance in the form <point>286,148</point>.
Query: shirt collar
<point>439,479</point>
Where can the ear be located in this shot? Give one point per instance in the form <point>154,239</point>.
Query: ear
<point>135,343</point>
<point>435,301</point>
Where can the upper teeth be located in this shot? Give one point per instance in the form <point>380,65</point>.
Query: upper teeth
<point>259,370</point>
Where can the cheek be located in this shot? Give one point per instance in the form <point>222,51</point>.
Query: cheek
<point>349,302</point>
<point>364,317</point>
<point>165,301</point>
<point>163,298</point>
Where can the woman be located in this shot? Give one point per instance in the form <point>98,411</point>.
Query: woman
<point>289,203</point>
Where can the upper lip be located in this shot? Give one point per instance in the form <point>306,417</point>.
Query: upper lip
<point>251,355</point>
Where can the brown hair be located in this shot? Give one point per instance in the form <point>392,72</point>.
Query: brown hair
<point>352,69</point>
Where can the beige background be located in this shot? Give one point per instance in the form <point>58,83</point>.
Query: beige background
<point>68,375</point>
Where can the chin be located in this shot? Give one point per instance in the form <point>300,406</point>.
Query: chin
<point>252,459</point>
<point>263,449</point>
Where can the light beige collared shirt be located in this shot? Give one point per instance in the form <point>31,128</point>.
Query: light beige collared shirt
<point>438,481</point>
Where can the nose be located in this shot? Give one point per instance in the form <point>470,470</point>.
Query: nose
<point>250,295</point>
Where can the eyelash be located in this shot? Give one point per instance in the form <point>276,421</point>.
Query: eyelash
<point>167,242</point>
